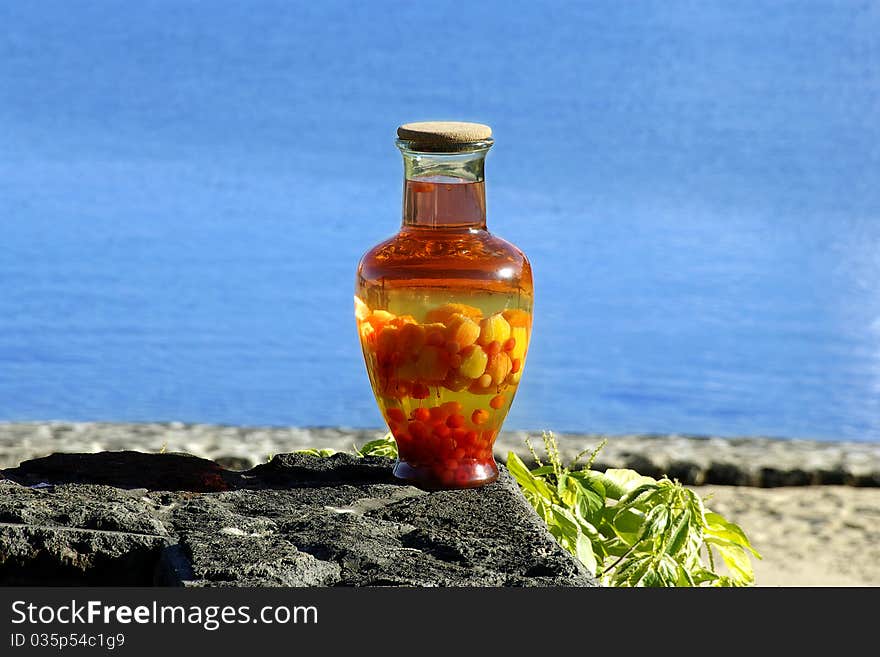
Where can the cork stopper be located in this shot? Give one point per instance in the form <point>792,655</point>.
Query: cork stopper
<point>443,136</point>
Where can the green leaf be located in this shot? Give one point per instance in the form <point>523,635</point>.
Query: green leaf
<point>652,579</point>
<point>566,521</point>
<point>684,577</point>
<point>655,521</point>
<point>737,561</point>
<point>567,491</point>
<point>525,478</point>
<point>641,571</point>
<point>314,451</point>
<point>627,524</point>
<point>668,572</point>
<point>615,547</point>
<point>680,532</point>
<point>589,502</point>
<point>619,481</point>
<point>584,552</point>
<point>703,576</point>
<point>631,569</point>
<point>385,446</point>
<point>569,531</point>
<point>695,504</point>
<point>591,480</point>
<point>596,539</point>
<point>720,529</point>
<point>631,498</point>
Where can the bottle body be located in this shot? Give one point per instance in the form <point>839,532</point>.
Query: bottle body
<point>444,315</point>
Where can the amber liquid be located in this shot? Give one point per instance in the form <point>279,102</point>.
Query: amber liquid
<point>444,202</point>
<point>444,318</point>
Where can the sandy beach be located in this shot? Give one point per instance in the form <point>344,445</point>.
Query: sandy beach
<point>809,535</point>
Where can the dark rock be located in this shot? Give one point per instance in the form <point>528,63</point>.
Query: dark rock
<point>727,474</point>
<point>85,507</point>
<point>127,470</point>
<point>306,469</point>
<point>370,533</point>
<point>399,535</point>
<point>61,556</point>
<point>687,472</point>
<point>299,520</point>
<point>836,477</point>
<point>867,479</point>
<point>773,477</point>
<point>78,535</point>
<point>225,546</point>
<point>248,560</point>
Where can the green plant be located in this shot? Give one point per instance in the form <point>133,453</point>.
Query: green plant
<point>314,451</point>
<point>627,529</point>
<point>384,446</point>
<point>632,530</point>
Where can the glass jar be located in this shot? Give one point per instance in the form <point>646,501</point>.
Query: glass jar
<point>444,313</point>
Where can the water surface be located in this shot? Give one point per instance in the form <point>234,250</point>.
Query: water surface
<point>185,189</point>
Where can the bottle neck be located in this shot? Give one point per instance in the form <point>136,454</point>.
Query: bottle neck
<point>444,191</point>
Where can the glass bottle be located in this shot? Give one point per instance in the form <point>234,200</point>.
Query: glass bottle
<point>444,313</point>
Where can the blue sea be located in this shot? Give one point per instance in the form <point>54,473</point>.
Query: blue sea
<point>186,188</point>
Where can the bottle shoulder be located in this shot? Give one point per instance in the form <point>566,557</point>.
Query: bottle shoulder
<point>425,255</point>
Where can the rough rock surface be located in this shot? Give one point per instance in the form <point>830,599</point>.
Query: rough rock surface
<point>694,460</point>
<point>299,520</point>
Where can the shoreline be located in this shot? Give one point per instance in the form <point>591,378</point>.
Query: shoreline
<point>809,535</point>
<point>693,460</point>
